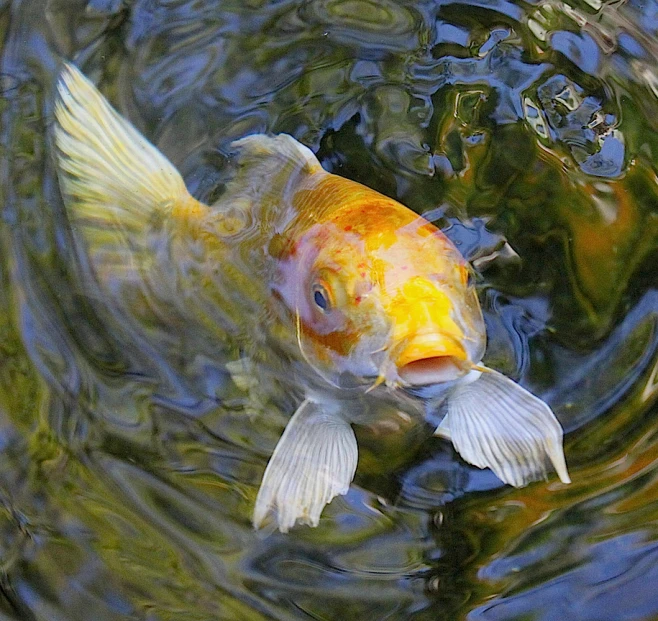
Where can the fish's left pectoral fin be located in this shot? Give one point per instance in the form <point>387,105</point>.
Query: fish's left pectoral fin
<point>313,462</point>
<point>495,423</point>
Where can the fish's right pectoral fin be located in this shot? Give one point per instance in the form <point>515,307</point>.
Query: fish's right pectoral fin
<point>313,462</point>
<point>495,423</point>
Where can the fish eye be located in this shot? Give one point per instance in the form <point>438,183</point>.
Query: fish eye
<point>321,297</point>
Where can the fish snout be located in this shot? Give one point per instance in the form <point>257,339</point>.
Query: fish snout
<point>428,343</point>
<point>431,359</point>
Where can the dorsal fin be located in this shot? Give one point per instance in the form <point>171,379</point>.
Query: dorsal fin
<point>267,169</point>
<point>273,153</point>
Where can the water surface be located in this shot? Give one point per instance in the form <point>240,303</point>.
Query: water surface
<point>127,477</point>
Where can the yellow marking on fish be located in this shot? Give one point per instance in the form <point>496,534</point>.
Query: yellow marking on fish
<point>420,307</point>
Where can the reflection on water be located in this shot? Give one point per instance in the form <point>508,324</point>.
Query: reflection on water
<point>127,476</point>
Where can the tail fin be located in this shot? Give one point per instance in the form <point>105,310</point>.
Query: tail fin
<point>116,185</point>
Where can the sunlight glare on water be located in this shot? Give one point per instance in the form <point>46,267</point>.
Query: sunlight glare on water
<point>129,460</point>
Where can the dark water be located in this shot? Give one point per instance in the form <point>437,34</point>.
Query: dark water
<point>531,123</point>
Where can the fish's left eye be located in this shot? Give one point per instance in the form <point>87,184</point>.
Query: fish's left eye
<point>321,298</point>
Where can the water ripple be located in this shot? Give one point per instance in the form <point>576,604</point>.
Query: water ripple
<point>129,461</point>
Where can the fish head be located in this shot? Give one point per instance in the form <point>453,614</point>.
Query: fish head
<point>379,294</point>
<point>327,286</point>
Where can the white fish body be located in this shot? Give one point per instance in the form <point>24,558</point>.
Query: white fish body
<point>348,316</point>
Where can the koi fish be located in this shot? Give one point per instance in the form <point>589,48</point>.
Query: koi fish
<point>365,301</point>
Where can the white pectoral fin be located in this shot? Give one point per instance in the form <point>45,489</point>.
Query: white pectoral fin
<point>443,430</point>
<point>313,462</point>
<point>495,423</point>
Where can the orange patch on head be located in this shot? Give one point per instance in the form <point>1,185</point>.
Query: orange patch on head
<point>421,309</point>
<point>355,208</point>
<point>463,273</point>
<point>369,242</point>
<point>377,220</point>
<point>341,342</point>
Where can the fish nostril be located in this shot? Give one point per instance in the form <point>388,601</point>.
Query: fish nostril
<point>431,370</point>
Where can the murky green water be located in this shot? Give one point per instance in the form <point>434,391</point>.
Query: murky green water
<point>128,476</point>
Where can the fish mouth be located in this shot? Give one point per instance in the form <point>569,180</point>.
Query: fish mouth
<point>432,370</point>
<point>431,360</point>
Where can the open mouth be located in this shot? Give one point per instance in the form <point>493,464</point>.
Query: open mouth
<point>431,359</point>
<point>431,370</point>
